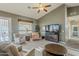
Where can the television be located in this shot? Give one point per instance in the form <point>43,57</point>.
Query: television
<point>54,27</point>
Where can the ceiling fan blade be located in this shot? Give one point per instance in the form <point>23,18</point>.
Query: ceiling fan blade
<point>45,10</point>
<point>38,11</point>
<point>48,6</point>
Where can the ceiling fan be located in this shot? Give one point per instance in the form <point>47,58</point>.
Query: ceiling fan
<point>40,7</point>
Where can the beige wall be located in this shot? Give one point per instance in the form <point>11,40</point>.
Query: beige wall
<point>55,17</point>
<point>14,20</point>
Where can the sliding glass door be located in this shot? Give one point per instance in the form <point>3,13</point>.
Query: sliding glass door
<point>4,29</point>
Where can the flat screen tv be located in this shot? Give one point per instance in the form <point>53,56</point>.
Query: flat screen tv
<point>54,27</point>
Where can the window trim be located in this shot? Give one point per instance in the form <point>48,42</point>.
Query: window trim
<point>27,21</point>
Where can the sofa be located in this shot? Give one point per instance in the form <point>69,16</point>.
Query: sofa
<point>8,49</point>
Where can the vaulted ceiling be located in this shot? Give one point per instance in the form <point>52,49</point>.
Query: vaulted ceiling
<point>23,10</point>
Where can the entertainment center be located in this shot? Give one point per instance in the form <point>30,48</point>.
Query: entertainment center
<point>52,32</point>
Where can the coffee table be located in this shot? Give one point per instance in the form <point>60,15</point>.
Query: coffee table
<point>55,49</point>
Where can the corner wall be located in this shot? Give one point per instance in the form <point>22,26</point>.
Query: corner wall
<point>56,16</point>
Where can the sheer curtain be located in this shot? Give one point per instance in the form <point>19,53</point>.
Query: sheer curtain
<point>4,29</point>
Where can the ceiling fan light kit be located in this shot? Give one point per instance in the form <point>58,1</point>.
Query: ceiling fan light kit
<point>40,7</point>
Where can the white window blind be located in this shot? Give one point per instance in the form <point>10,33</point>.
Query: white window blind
<point>25,27</point>
<point>4,29</point>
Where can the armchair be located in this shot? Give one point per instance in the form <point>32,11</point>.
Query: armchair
<point>19,38</point>
<point>35,36</point>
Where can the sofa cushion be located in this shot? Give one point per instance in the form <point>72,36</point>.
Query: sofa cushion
<point>8,50</point>
<point>14,50</point>
<point>4,46</point>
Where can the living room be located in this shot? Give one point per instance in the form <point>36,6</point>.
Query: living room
<point>26,29</point>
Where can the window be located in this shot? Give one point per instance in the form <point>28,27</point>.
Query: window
<point>75,30</point>
<point>73,27</point>
<point>25,27</point>
<point>4,29</point>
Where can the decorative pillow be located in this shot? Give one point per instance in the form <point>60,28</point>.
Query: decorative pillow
<point>5,47</point>
<point>14,50</point>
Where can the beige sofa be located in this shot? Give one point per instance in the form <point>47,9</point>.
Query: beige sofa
<point>8,49</point>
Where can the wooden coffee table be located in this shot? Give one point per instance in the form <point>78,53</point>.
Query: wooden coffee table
<point>55,49</point>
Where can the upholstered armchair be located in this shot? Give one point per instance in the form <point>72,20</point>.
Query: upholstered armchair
<point>35,36</point>
<point>19,38</point>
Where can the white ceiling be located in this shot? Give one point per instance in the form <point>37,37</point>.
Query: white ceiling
<point>21,9</point>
